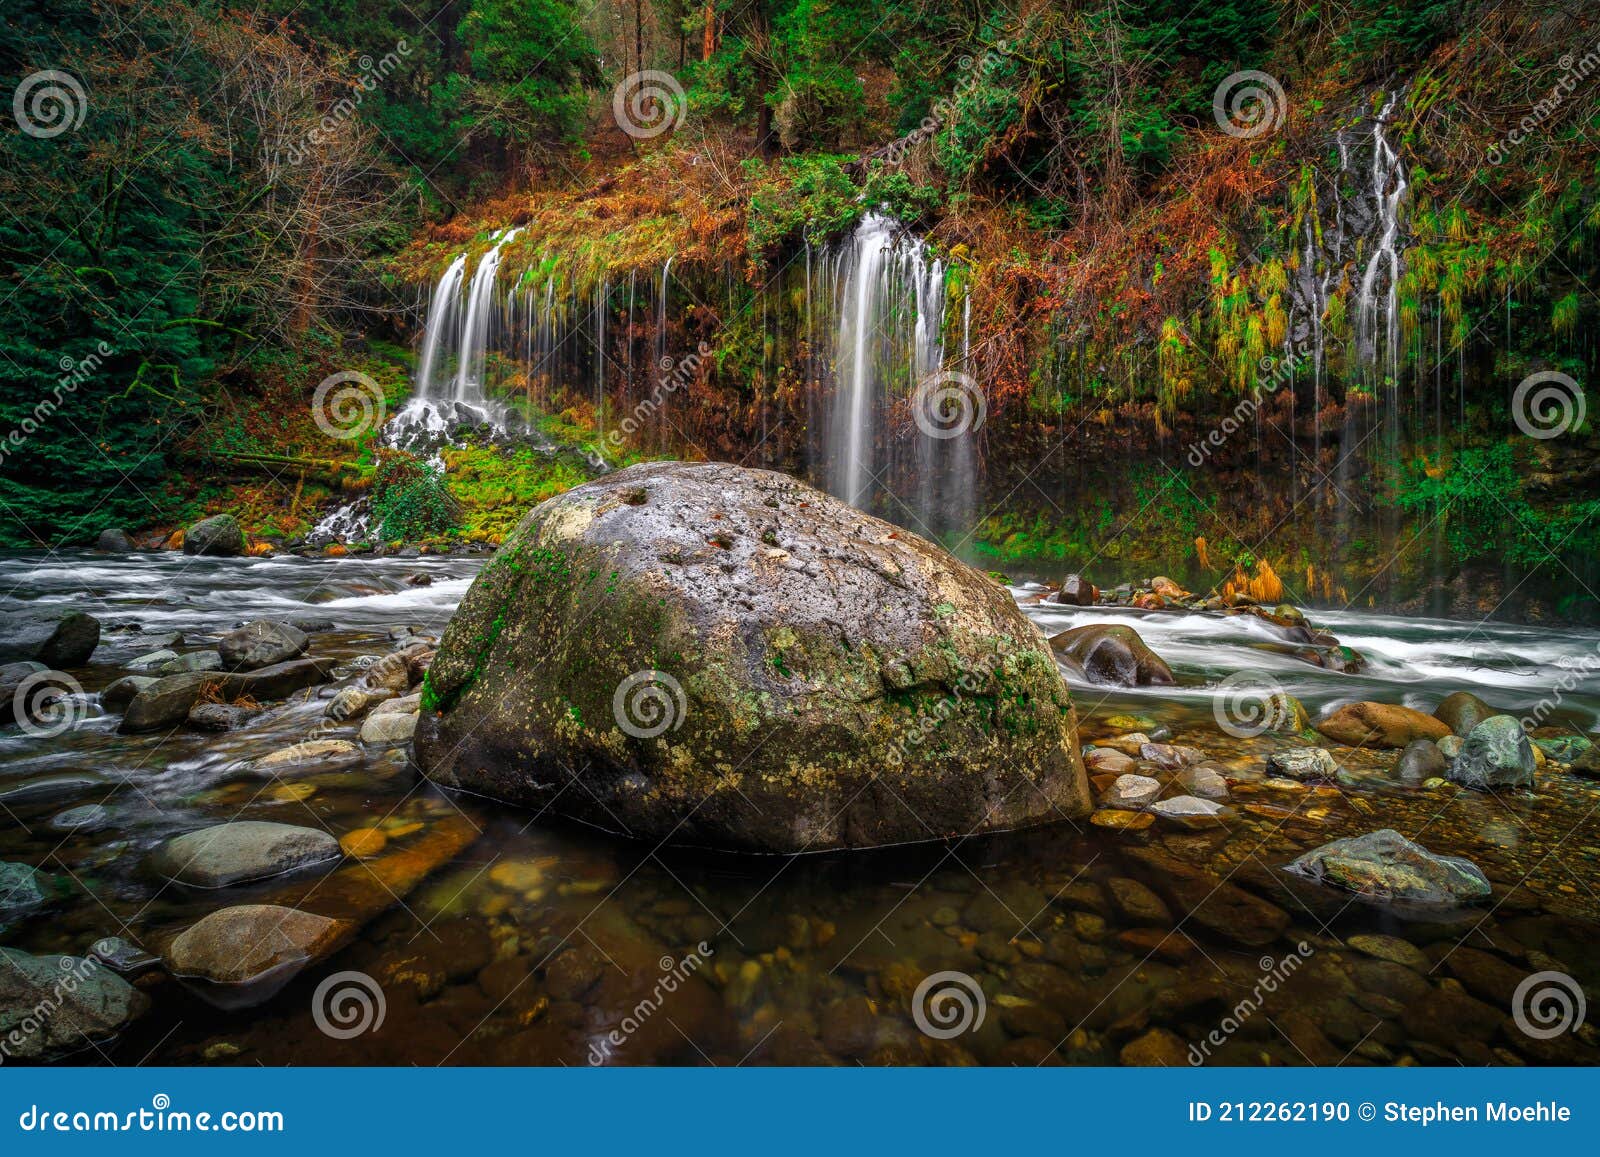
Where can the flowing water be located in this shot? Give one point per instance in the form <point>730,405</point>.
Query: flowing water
<point>539,942</point>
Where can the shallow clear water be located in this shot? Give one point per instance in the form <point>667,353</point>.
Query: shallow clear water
<point>537,941</point>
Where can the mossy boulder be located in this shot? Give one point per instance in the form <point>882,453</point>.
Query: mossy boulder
<point>219,535</point>
<point>727,657</point>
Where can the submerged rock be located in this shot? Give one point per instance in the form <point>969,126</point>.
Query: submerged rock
<point>53,638</point>
<point>261,644</point>
<point>233,853</point>
<point>219,535</point>
<point>1421,760</point>
<point>1385,866</point>
<point>220,716</point>
<point>1495,754</point>
<point>321,754</point>
<point>727,656</point>
<point>193,661</point>
<point>1380,725</point>
<point>22,890</point>
<point>1112,654</point>
<point>53,1006</point>
<point>1461,711</point>
<point>242,955</point>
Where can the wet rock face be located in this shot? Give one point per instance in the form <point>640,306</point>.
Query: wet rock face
<point>1496,753</point>
<point>54,639</point>
<point>232,853</point>
<point>1461,711</point>
<point>219,535</point>
<point>1385,866</point>
<point>729,657</point>
<point>52,1006</point>
<point>1380,725</point>
<point>261,644</point>
<point>1110,653</point>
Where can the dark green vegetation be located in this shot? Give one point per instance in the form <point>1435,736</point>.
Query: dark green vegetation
<point>249,204</point>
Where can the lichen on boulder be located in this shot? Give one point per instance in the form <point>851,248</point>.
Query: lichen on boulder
<point>721,656</point>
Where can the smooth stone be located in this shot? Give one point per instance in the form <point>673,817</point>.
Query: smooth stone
<point>53,1006</point>
<point>1122,820</point>
<point>121,692</point>
<point>353,702</point>
<point>1211,902</point>
<point>219,535</point>
<point>1449,746</point>
<point>1129,745</point>
<point>1158,1048</point>
<point>310,624</point>
<point>153,660</point>
<point>64,786</point>
<point>1170,757</point>
<point>116,953</point>
<point>1421,760</point>
<point>363,842</point>
<point>88,818</point>
<point>1107,761</point>
<point>193,661</point>
<point>261,644</point>
<point>1186,807</point>
<point>244,850</point>
<point>220,716</point>
<point>1390,948</point>
<point>1461,711</point>
<point>168,701</point>
<point>1132,791</point>
<point>1205,782</point>
<point>114,541</point>
<point>1304,763</point>
<point>388,730</point>
<point>1137,902</point>
<point>250,943</point>
<point>1496,754</point>
<point>1370,724</point>
<point>321,754</point>
<point>1111,654</point>
<point>1562,749</point>
<point>404,705</point>
<point>55,638</point>
<point>1385,866</point>
<point>12,677</point>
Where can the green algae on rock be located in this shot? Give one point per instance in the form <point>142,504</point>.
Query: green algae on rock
<point>724,656</point>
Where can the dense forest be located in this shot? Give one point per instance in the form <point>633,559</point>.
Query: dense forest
<point>1140,212</point>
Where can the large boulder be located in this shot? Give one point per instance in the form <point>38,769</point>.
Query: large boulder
<point>726,656</point>
<point>115,542</point>
<point>237,852</point>
<point>218,535</point>
<point>1385,866</point>
<point>1495,753</point>
<point>261,644</point>
<point>1110,653</point>
<point>1075,591</point>
<point>1380,725</point>
<point>55,638</point>
<point>53,1006</point>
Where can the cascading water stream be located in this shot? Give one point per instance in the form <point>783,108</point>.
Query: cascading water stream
<point>1388,194</point>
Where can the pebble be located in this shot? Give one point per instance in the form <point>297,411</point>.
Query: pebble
<point>363,843</point>
<point>1122,820</point>
<point>1390,948</point>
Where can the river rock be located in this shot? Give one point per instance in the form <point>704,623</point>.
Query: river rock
<point>1204,781</point>
<point>23,889</point>
<point>405,705</point>
<point>251,945</point>
<point>354,701</point>
<point>1461,711</point>
<point>168,701</point>
<point>114,542</point>
<point>12,678</point>
<point>1182,807</point>
<point>1137,903</point>
<point>1303,763</point>
<point>1107,761</point>
<point>1170,756</point>
<point>1385,866</point>
<point>1076,591</point>
<point>1496,753</point>
<point>1449,746</point>
<point>318,754</point>
<point>193,661</point>
<point>1380,725</point>
<point>91,817</point>
<point>116,953</point>
<point>233,853</point>
<point>1211,902</point>
<point>1131,791</point>
<point>53,1006</point>
<point>220,716</point>
<point>1111,654</point>
<point>388,730</point>
<point>121,692</point>
<point>151,660</point>
<point>55,638</point>
<point>1421,760</point>
<point>261,644</point>
<point>219,535</point>
<point>729,657</point>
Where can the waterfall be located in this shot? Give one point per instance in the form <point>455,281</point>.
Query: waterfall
<point>1388,194</point>
<point>443,309</point>
<point>475,330</point>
